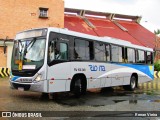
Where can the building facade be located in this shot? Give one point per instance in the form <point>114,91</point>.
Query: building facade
<point>19,15</point>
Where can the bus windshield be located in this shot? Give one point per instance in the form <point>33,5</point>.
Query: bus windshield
<point>28,53</point>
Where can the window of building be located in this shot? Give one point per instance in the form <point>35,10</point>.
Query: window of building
<point>130,55</point>
<point>140,56</point>
<point>83,49</point>
<point>116,53</point>
<point>43,12</point>
<point>100,51</point>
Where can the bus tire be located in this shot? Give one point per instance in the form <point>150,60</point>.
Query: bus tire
<point>133,82</point>
<point>78,87</point>
<point>132,85</point>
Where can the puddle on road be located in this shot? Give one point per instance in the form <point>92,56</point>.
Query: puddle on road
<point>157,101</point>
<point>94,97</point>
<point>109,97</point>
<point>117,101</point>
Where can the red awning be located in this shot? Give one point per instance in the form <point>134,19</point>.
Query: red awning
<point>140,33</point>
<point>126,30</point>
<point>77,24</point>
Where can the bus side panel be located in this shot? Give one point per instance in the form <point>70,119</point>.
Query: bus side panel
<point>39,86</point>
<point>58,77</point>
<point>94,72</point>
<point>126,80</point>
<point>144,72</point>
<point>142,79</point>
<point>117,75</point>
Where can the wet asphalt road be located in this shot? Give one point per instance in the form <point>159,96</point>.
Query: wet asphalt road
<point>145,98</point>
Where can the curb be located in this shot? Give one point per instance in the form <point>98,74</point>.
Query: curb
<point>152,85</point>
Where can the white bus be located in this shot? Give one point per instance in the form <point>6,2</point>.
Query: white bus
<point>50,60</point>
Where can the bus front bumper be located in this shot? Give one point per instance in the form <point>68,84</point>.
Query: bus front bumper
<point>36,87</point>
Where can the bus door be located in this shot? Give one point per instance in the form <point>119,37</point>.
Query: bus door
<point>58,65</point>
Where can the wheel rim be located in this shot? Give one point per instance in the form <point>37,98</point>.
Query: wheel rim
<point>133,82</point>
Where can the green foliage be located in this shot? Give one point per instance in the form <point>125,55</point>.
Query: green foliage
<point>157,65</point>
<point>157,31</point>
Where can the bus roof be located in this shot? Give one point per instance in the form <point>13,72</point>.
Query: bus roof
<point>102,39</point>
<point>96,38</point>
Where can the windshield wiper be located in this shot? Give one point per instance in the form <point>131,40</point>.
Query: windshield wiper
<point>20,50</point>
<point>30,44</point>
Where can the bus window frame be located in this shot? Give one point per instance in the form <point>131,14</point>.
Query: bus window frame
<point>112,55</point>
<point>151,60</point>
<point>99,42</point>
<point>144,56</point>
<point>126,54</point>
<point>52,36</point>
<point>83,39</point>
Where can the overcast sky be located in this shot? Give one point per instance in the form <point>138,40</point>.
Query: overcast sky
<point>148,9</point>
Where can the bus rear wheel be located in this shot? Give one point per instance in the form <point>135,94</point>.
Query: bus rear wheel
<point>78,87</point>
<point>132,85</point>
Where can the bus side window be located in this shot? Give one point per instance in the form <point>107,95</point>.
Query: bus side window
<point>140,56</point>
<point>82,49</point>
<point>116,53</point>
<point>51,51</point>
<point>131,55</point>
<point>63,52</point>
<point>149,58</point>
<point>100,54</point>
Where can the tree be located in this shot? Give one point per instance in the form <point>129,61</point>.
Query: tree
<point>157,32</point>
<point>157,44</point>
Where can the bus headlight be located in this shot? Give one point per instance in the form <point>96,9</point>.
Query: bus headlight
<point>39,77</point>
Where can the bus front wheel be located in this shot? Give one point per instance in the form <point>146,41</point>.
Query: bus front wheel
<point>78,87</point>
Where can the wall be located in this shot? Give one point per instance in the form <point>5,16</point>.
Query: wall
<point>3,57</point>
<point>9,54</point>
<point>157,57</point>
<point>18,15</point>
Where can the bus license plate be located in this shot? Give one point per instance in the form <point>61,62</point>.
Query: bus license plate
<point>20,88</point>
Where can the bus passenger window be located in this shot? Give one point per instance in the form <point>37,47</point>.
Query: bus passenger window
<point>81,49</point>
<point>63,54</point>
<point>100,54</point>
<point>149,57</point>
<point>116,53</point>
<point>131,55</point>
<point>140,56</point>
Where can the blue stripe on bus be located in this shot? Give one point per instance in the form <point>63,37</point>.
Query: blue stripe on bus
<point>15,78</point>
<point>143,68</point>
